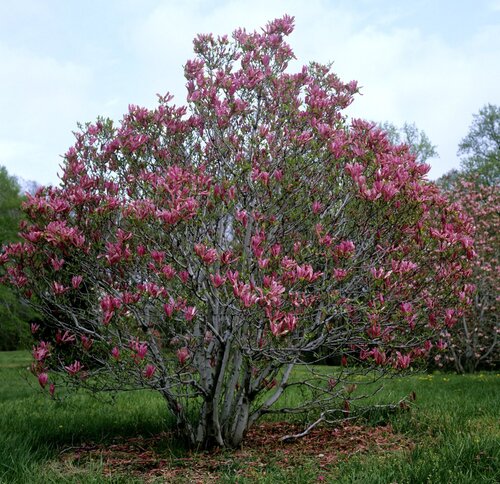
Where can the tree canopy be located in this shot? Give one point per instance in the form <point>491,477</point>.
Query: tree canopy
<point>10,207</point>
<point>419,143</point>
<point>480,148</point>
<point>14,315</point>
<point>207,250</point>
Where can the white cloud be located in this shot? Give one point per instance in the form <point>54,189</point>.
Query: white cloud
<point>495,5</point>
<point>45,99</point>
<point>405,75</point>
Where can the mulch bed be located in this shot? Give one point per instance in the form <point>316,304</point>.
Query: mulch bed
<point>150,458</point>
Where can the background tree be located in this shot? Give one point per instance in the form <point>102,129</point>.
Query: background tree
<point>474,341</point>
<point>10,206</point>
<point>418,141</point>
<point>480,149</point>
<point>27,186</point>
<point>450,180</point>
<point>205,251</point>
<point>14,315</point>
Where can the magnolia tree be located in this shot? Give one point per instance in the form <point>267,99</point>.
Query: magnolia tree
<point>473,342</point>
<point>205,251</point>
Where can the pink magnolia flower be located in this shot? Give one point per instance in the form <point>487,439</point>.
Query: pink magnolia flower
<point>149,370</point>
<point>183,354</point>
<point>283,324</point>
<point>389,190</point>
<point>345,248</point>
<point>433,322</point>
<point>450,317</point>
<point>107,317</point>
<point>189,313</point>
<point>87,342</point>
<point>317,207</point>
<point>34,328</point>
<point>140,348</point>
<point>58,231</point>
<point>377,273</point>
<point>364,354</point>
<point>169,308</point>
<point>441,345</point>
<point>402,361</point>
<point>288,263</point>
<point>184,276</point>
<point>59,288</point>
<point>43,378</point>
<point>354,169</point>
<point>52,389</point>
<point>406,308</point>
<point>227,258</point>
<point>217,279</point>
<point>332,383</point>
<point>327,240</point>
<point>340,274</point>
<point>74,368</point>
<point>76,281</point>
<point>378,356</point>
<point>256,243</point>
<point>275,250</point>
<point>41,351</point>
<point>276,290</point>
<point>168,271</point>
<point>244,292</point>
<point>258,175</point>
<point>305,273</point>
<point>115,352</point>
<point>116,252</point>
<point>208,256</point>
<point>219,191</point>
<point>153,289</point>
<point>108,306</point>
<point>407,266</point>
<point>158,256</point>
<point>411,319</point>
<point>110,303</point>
<point>233,277</point>
<point>130,298</point>
<point>57,264</point>
<point>242,217</point>
<point>66,337</point>
<point>374,331</point>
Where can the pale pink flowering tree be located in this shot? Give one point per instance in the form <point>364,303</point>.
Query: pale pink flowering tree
<point>473,342</point>
<point>205,251</point>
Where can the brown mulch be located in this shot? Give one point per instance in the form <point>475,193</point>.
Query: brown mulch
<point>151,458</point>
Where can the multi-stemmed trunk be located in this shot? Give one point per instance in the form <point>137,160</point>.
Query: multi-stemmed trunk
<point>220,421</point>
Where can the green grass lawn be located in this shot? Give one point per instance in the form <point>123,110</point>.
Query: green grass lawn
<point>454,427</point>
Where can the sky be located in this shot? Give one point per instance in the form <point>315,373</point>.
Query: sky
<point>430,62</point>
